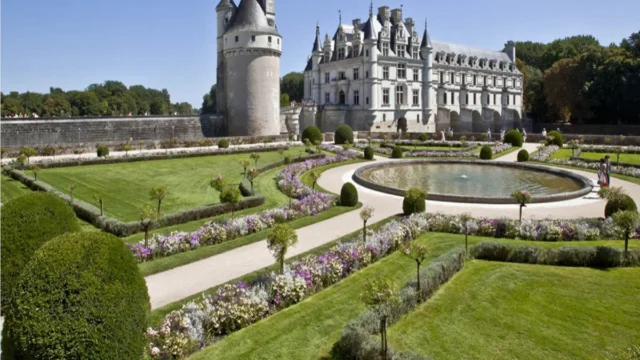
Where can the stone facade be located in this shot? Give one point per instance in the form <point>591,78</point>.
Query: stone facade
<point>17,133</point>
<point>373,73</point>
<point>248,68</point>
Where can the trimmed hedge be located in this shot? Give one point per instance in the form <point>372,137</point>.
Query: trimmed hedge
<point>523,155</point>
<point>423,137</point>
<point>625,203</point>
<point>397,152</point>
<point>102,150</point>
<point>414,201</point>
<point>27,223</point>
<point>348,195</point>
<point>223,144</point>
<point>343,134</point>
<point>80,297</point>
<point>486,153</point>
<point>557,138</point>
<point>513,137</point>
<point>312,133</point>
<point>368,153</point>
<point>575,256</point>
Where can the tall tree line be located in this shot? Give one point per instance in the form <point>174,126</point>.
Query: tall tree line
<point>577,80</point>
<point>111,98</point>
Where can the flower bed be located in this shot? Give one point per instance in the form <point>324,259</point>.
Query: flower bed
<point>544,153</point>
<point>496,147</point>
<point>610,149</point>
<point>235,306</point>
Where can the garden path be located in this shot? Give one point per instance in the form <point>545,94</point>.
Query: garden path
<point>176,284</point>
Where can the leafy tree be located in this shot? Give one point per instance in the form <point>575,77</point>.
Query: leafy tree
<point>252,174</point>
<point>245,165</point>
<point>72,192</point>
<point>280,239</point>
<point>11,106</point>
<point>292,84</point>
<point>465,218</point>
<point>567,48</point>
<point>86,103</point>
<point>564,82</point>
<point>22,160</point>
<point>210,101</point>
<point>32,102</point>
<point>380,295</point>
<point>158,193</point>
<point>531,53</point>
<point>365,214</point>
<point>28,152</point>
<point>284,100</point>
<point>314,175</point>
<point>3,152</point>
<point>100,200</point>
<point>255,157</point>
<point>126,148</point>
<point>522,197</point>
<point>158,106</point>
<point>230,195</point>
<point>35,169</point>
<point>147,218</point>
<point>56,105</point>
<point>418,253</point>
<point>218,183</point>
<point>628,221</point>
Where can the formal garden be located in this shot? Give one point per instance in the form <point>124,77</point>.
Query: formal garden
<point>400,282</point>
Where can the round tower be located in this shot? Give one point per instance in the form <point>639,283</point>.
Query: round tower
<point>224,12</point>
<point>252,50</point>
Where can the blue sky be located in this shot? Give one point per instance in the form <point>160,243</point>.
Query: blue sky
<point>171,44</point>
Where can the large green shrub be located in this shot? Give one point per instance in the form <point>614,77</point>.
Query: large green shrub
<point>343,134</point>
<point>223,143</point>
<point>423,137</point>
<point>557,138</point>
<point>414,201</point>
<point>26,224</point>
<point>486,153</point>
<point>312,133</point>
<point>620,203</point>
<point>396,153</point>
<point>80,297</point>
<point>348,195</point>
<point>513,137</point>
<point>523,155</point>
<point>368,153</point>
<point>102,150</point>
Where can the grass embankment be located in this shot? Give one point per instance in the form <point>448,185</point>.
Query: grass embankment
<point>11,188</point>
<point>309,329</point>
<point>497,310</point>
<point>125,186</point>
<point>509,151</point>
<point>267,186</point>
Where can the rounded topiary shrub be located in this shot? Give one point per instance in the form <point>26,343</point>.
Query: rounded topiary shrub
<point>348,195</point>
<point>414,201</point>
<point>486,153</point>
<point>26,224</point>
<point>223,144</point>
<point>423,137</point>
<point>523,155</point>
<point>368,153</point>
<point>343,134</point>
<point>102,150</point>
<point>557,138</point>
<point>396,153</point>
<point>513,137</point>
<point>623,203</point>
<point>80,297</point>
<point>312,133</point>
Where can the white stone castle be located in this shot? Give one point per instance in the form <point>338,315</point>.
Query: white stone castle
<point>380,73</point>
<point>248,69</point>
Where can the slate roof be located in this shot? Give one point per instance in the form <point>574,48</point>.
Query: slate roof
<point>439,46</point>
<point>250,17</point>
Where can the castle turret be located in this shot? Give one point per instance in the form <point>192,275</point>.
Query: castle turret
<point>426,52</point>
<point>224,12</point>
<point>510,50</point>
<point>316,57</point>
<point>252,50</point>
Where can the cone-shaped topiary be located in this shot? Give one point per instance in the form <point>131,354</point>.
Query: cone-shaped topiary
<point>414,201</point>
<point>486,153</point>
<point>223,143</point>
<point>514,138</point>
<point>396,153</point>
<point>523,155</point>
<point>102,150</point>
<point>348,195</point>
<point>557,138</point>
<point>621,203</point>
<point>80,297</point>
<point>343,134</point>
<point>312,133</point>
<point>368,153</point>
<point>27,223</point>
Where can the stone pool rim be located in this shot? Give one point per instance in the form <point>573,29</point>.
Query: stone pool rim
<point>585,184</point>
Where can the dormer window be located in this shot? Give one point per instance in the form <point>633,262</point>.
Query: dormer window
<point>385,49</point>
<point>340,53</point>
<point>415,53</point>
<point>401,50</point>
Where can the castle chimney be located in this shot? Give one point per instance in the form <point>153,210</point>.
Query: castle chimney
<point>396,14</point>
<point>383,12</point>
<point>410,25</point>
<point>356,23</point>
<point>510,50</point>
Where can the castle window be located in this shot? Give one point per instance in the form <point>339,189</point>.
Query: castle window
<point>514,99</point>
<point>474,99</point>
<point>495,83</point>
<point>326,98</point>
<point>441,77</point>
<point>385,72</point>
<point>418,118</point>
<point>466,99</point>
<point>399,95</point>
<point>401,50</point>
<point>278,41</point>
<point>464,78</point>
<point>326,78</point>
<point>402,71</point>
<point>507,100</point>
<point>356,73</point>
<point>444,98</point>
<point>385,96</point>
<point>269,39</point>
<point>485,81</point>
<point>494,99</point>
<point>253,38</point>
<point>475,80</point>
<point>453,79</point>
<point>453,98</point>
<point>367,100</point>
<point>236,38</point>
<point>416,75</point>
<point>385,49</point>
<point>415,57</point>
<point>416,97</point>
<point>356,97</point>
<point>366,74</point>
<point>384,117</point>
<point>488,99</point>
<point>341,53</point>
<point>342,76</point>
<point>366,52</point>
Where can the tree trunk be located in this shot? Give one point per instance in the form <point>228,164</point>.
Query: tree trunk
<point>282,264</point>
<point>521,212</point>
<point>626,244</point>
<point>101,207</point>
<point>159,202</point>
<point>146,236</point>
<point>418,276</point>
<point>466,240</point>
<point>364,232</point>
<point>252,193</point>
<point>383,352</point>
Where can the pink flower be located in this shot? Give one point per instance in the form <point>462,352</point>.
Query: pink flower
<point>155,351</point>
<point>151,332</point>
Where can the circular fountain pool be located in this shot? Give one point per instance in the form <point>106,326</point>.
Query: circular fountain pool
<point>473,181</point>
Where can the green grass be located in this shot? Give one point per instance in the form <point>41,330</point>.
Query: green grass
<point>309,329</point>
<point>11,188</point>
<point>306,177</point>
<point>514,311</point>
<point>125,187</point>
<point>565,154</point>
<point>617,176</point>
<point>513,149</point>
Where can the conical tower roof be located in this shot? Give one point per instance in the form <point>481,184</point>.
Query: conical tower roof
<point>250,17</point>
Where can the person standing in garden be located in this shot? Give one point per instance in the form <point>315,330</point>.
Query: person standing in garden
<point>607,163</point>
<point>488,134</point>
<point>524,135</point>
<point>602,174</point>
<point>544,134</point>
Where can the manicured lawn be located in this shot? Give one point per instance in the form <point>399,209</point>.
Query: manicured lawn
<point>497,310</point>
<point>125,187</point>
<point>309,329</point>
<point>631,179</point>
<point>496,156</point>
<point>624,158</point>
<point>563,154</point>
<point>11,188</point>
